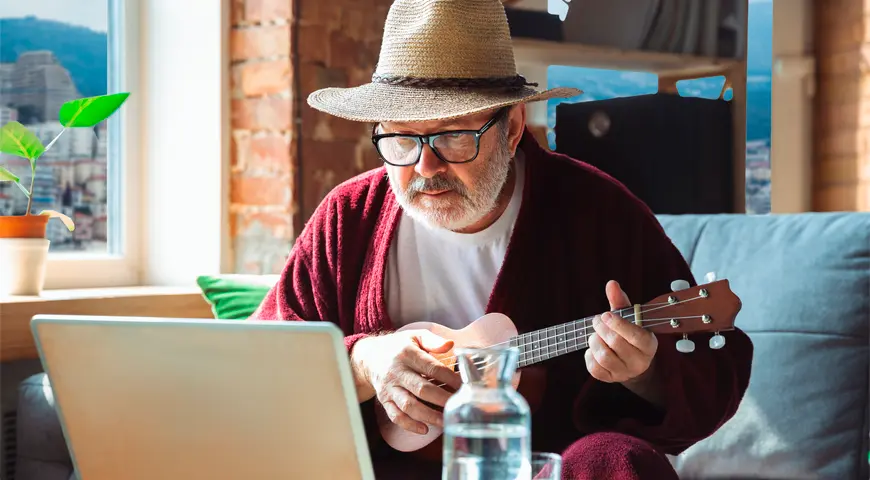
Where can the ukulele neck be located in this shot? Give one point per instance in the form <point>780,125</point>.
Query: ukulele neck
<point>551,342</point>
<point>711,307</point>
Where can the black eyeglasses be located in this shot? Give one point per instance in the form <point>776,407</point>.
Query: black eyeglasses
<point>452,146</point>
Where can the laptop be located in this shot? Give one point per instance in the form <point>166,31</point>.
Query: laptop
<point>168,398</point>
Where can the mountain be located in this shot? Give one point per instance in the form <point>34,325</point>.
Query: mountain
<point>80,50</point>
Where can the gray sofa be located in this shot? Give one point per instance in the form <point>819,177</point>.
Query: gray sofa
<point>805,284</point>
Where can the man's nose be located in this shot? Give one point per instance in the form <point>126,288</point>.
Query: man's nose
<point>429,164</point>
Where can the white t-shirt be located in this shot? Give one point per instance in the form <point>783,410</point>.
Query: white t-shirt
<point>440,276</point>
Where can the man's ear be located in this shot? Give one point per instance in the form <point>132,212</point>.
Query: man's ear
<point>516,126</point>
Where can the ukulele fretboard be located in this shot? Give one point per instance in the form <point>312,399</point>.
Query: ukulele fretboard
<point>552,342</point>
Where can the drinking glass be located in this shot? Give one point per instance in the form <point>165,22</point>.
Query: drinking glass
<point>546,466</point>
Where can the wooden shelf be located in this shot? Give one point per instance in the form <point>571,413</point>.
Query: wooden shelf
<point>671,65</point>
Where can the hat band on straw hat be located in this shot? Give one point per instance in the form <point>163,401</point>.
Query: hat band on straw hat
<point>515,81</point>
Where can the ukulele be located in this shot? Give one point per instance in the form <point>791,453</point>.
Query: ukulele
<point>711,307</point>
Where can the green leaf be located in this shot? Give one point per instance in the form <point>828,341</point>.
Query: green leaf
<point>55,214</point>
<point>16,139</point>
<point>7,176</point>
<point>87,112</point>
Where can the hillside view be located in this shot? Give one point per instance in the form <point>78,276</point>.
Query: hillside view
<point>80,50</point>
<point>44,64</point>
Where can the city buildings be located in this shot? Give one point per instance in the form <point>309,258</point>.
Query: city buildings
<point>71,175</point>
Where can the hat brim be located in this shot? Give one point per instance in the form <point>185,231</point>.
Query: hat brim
<point>377,102</point>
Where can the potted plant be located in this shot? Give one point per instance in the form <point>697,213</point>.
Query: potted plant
<point>23,242</point>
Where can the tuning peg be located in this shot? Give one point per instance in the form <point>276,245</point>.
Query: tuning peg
<point>710,277</point>
<point>678,285</point>
<point>717,341</point>
<point>685,345</point>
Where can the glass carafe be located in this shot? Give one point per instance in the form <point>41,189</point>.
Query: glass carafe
<point>487,424</point>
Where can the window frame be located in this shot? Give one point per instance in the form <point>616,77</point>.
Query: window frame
<point>791,109</point>
<point>168,239</point>
<point>73,270</point>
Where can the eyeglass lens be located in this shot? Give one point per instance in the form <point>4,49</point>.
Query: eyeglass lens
<point>452,147</point>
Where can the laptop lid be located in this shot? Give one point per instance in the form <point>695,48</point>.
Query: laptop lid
<point>147,398</point>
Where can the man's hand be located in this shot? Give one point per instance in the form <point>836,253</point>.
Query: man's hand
<point>619,351</point>
<point>392,366</point>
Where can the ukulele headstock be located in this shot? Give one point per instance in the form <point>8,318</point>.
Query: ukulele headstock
<point>711,307</point>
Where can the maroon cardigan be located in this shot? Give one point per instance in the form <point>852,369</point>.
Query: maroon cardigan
<point>577,228</point>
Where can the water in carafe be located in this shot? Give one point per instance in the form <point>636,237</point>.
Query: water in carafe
<point>487,424</point>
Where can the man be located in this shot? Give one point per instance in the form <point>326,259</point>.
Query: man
<point>470,215</point>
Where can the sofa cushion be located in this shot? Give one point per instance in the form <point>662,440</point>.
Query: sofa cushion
<point>235,296</point>
<point>804,282</point>
<point>42,453</point>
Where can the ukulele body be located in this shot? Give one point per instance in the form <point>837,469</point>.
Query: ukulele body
<point>490,329</point>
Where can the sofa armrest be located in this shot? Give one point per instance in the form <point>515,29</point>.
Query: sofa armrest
<point>42,453</point>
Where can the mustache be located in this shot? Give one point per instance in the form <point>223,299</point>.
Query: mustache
<point>438,182</point>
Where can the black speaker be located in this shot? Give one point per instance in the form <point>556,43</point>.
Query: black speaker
<point>675,153</point>
<point>534,24</point>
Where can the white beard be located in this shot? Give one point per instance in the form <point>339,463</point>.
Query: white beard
<point>473,203</point>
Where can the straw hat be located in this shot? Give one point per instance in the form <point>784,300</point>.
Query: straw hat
<point>439,59</point>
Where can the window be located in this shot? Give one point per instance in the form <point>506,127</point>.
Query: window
<point>167,158</point>
<point>604,84</point>
<point>53,51</point>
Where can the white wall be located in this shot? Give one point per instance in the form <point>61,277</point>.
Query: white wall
<point>185,139</point>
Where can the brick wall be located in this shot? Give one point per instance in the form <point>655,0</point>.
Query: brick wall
<point>339,42</point>
<point>262,172</point>
<point>842,119</point>
<point>281,167</point>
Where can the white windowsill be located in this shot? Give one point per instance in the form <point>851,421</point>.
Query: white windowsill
<point>98,293</point>
<point>16,340</point>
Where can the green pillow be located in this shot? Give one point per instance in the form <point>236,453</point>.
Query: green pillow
<point>235,296</point>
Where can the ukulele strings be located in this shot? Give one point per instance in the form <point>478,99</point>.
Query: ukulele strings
<point>583,330</point>
<point>581,343</point>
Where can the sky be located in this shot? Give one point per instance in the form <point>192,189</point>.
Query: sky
<point>93,14</point>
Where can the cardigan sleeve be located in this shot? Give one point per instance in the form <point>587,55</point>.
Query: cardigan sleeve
<point>306,289</point>
<point>702,389</point>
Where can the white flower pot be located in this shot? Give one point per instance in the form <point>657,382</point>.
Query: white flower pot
<point>22,265</point>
